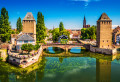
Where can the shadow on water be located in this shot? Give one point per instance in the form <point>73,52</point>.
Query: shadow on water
<point>53,50</point>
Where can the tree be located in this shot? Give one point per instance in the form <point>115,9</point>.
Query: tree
<point>19,25</point>
<point>37,46</point>
<point>88,33</point>
<point>27,47</point>
<point>55,34</point>
<point>61,26</point>
<point>40,27</point>
<point>5,28</point>
<point>65,32</point>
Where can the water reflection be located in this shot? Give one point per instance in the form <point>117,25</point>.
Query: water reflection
<point>53,50</point>
<point>75,50</point>
<point>103,70</point>
<point>86,67</point>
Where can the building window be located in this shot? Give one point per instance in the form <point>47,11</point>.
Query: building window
<point>107,40</point>
<point>20,41</point>
<point>31,41</point>
<point>103,40</point>
<point>25,41</point>
<point>108,45</point>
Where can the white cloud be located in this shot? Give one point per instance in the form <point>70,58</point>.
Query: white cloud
<point>114,26</point>
<point>86,1</point>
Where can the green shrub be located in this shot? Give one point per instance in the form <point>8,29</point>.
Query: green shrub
<point>36,47</point>
<point>27,47</point>
<point>1,59</point>
<point>42,41</point>
<point>63,41</point>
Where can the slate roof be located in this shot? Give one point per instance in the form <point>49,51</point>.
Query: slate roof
<point>63,36</point>
<point>104,16</point>
<point>25,37</point>
<point>29,16</point>
<point>116,29</point>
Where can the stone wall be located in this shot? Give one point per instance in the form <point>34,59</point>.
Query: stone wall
<point>25,61</point>
<point>103,51</point>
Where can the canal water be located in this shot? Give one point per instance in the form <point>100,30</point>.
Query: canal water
<point>84,67</point>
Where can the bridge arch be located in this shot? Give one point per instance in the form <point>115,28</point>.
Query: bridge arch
<point>62,46</point>
<point>45,47</point>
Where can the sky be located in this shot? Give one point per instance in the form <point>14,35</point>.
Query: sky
<point>70,12</point>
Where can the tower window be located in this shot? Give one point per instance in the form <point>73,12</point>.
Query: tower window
<point>103,40</point>
<point>107,40</point>
<point>108,45</point>
<point>102,22</point>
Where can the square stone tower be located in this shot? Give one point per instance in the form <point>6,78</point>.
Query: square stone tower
<point>104,32</point>
<point>29,25</point>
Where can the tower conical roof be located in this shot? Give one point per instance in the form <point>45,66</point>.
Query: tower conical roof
<point>29,16</point>
<point>104,16</point>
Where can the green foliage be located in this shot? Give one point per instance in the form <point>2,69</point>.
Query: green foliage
<point>61,26</point>
<point>55,34</point>
<point>65,32</point>
<point>19,25</point>
<point>13,32</point>
<point>88,33</point>
<point>58,32</point>
<point>1,59</point>
<point>5,28</point>
<point>36,47</point>
<point>40,27</point>
<point>64,41</point>
<point>27,47</point>
<point>50,31</point>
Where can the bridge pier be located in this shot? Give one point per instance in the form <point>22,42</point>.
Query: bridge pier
<point>66,50</point>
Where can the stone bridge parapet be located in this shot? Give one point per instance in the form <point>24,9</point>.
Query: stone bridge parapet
<point>63,46</point>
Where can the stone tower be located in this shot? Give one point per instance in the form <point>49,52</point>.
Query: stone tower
<point>29,25</point>
<point>104,32</point>
<point>84,23</point>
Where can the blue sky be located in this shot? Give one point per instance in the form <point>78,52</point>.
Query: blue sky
<point>70,12</point>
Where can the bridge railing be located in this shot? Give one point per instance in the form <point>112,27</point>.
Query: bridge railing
<point>76,44</point>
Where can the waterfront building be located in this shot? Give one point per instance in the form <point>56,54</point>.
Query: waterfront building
<point>28,34</point>
<point>23,39</point>
<point>29,25</point>
<point>104,32</point>
<point>116,35</point>
<point>84,23</point>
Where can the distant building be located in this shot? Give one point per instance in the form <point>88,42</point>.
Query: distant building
<point>74,34</point>
<point>84,23</point>
<point>63,39</point>
<point>104,32</point>
<point>116,35</point>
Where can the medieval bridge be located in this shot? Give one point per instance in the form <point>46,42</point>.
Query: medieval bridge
<point>66,47</point>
